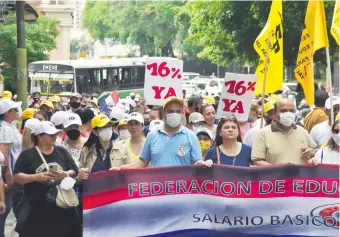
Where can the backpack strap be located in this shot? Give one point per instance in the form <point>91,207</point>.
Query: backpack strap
<point>218,155</point>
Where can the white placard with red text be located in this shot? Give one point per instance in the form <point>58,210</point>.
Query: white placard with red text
<point>237,95</point>
<point>163,79</point>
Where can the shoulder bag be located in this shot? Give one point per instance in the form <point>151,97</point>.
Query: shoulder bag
<point>65,198</point>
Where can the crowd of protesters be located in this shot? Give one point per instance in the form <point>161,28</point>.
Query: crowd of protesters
<point>78,138</point>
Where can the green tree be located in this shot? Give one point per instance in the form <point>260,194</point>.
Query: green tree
<point>150,25</point>
<point>40,39</point>
<point>227,29</point>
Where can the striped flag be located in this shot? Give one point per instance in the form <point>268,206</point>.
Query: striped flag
<point>111,99</point>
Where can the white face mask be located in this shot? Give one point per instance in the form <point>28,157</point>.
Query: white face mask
<point>173,119</point>
<point>105,134</point>
<point>336,138</point>
<point>124,134</point>
<point>287,118</point>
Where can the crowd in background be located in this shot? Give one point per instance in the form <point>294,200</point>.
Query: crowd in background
<point>80,137</point>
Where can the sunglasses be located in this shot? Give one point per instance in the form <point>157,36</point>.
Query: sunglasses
<point>335,131</point>
<point>232,117</point>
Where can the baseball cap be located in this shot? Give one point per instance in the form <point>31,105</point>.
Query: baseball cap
<point>204,131</point>
<point>75,95</point>
<point>32,124</point>
<point>209,100</point>
<point>135,116</point>
<point>55,99</point>
<point>47,103</point>
<point>28,113</point>
<point>273,98</point>
<point>337,117</point>
<point>46,127</point>
<point>196,117</point>
<point>58,118</point>
<point>100,121</point>
<point>172,99</point>
<point>155,124</point>
<point>122,123</point>
<point>71,119</point>
<point>335,100</point>
<point>268,106</point>
<point>117,114</point>
<point>6,105</point>
<point>6,95</point>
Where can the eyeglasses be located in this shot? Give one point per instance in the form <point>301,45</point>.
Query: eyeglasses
<point>335,131</point>
<point>232,117</point>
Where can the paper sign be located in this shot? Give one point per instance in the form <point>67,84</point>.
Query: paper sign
<point>163,79</point>
<point>237,94</point>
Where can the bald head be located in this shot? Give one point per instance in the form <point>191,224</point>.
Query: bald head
<point>285,105</point>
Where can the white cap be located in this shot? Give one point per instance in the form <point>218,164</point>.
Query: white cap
<point>71,119</point>
<point>196,117</point>
<point>58,118</point>
<point>117,114</point>
<point>32,124</point>
<point>155,124</point>
<point>204,131</point>
<point>135,117</point>
<point>6,105</point>
<point>123,105</point>
<point>46,127</point>
<point>335,100</point>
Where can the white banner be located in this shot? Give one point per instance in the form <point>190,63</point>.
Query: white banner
<point>237,94</point>
<point>163,79</point>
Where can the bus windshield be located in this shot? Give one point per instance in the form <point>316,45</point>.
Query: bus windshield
<point>55,87</point>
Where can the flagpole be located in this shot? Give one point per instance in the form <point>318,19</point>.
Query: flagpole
<point>265,78</point>
<point>329,83</point>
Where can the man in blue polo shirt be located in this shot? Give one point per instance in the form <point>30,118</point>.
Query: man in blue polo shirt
<point>172,144</point>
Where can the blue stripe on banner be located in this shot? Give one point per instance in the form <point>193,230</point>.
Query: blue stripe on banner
<point>214,233</point>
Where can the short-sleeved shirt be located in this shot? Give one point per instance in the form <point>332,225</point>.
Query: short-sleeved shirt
<point>314,117</point>
<point>327,156</point>
<point>250,136</point>
<point>276,146</point>
<point>29,162</point>
<point>321,133</point>
<point>74,152</point>
<point>9,134</point>
<point>242,159</point>
<point>182,148</point>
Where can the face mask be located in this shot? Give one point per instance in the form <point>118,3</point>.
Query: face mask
<point>83,106</point>
<point>197,109</point>
<point>124,134</point>
<point>105,134</point>
<point>75,105</point>
<point>36,99</point>
<point>49,114</point>
<point>173,119</point>
<point>336,138</point>
<point>205,145</point>
<point>73,134</point>
<point>287,118</point>
<point>268,120</point>
<point>146,123</point>
<point>67,183</point>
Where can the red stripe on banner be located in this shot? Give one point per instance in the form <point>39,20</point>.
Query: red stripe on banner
<point>325,188</point>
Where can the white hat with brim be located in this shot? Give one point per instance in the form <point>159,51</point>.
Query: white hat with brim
<point>155,124</point>
<point>204,131</point>
<point>6,105</point>
<point>117,114</point>
<point>335,101</point>
<point>46,127</point>
<point>58,118</point>
<point>72,119</point>
<point>32,124</point>
<point>135,116</point>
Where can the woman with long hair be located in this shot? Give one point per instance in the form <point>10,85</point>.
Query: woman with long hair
<point>331,153</point>
<point>209,114</point>
<point>44,217</point>
<point>100,152</point>
<point>229,149</point>
<point>135,124</point>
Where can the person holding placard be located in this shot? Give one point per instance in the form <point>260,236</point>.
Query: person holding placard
<point>229,149</point>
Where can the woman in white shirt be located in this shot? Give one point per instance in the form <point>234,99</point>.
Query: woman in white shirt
<point>331,153</point>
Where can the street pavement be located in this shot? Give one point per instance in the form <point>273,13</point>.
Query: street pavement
<point>9,224</point>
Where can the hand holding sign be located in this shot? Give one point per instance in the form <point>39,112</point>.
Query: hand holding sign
<point>162,79</point>
<point>237,94</point>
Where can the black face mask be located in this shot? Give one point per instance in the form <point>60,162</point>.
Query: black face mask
<point>75,105</point>
<point>147,123</point>
<point>49,114</point>
<point>268,121</point>
<point>83,106</point>
<point>36,99</point>
<point>197,109</point>
<point>73,134</point>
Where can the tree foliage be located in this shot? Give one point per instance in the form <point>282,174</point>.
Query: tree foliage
<point>40,38</point>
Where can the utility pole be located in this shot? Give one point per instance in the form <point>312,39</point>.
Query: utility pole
<point>21,54</point>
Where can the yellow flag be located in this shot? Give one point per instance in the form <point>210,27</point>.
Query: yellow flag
<point>275,54</point>
<point>314,37</point>
<point>335,29</point>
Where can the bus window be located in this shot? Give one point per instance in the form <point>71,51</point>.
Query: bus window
<point>126,80</point>
<point>140,76</point>
<point>95,81</point>
<point>112,77</point>
<point>105,80</point>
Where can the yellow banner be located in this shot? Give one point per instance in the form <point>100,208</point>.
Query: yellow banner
<point>275,54</point>
<point>314,37</point>
<point>335,29</point>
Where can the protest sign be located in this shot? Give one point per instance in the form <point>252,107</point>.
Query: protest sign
<point>219,201</point>
<point>163,79</point>
<point>237,94</point>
